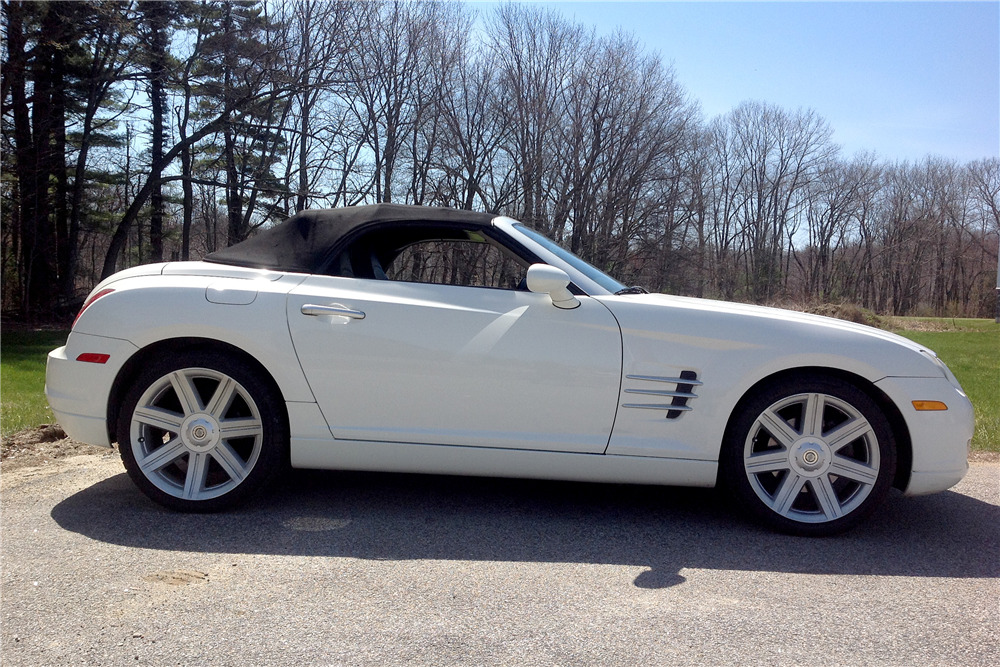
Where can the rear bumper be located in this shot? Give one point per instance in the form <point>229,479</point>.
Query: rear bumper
<point>940,439</point>
<point>91,430</point>
<point>78,391</point>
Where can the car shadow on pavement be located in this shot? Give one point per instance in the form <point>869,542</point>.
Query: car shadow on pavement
<point>405,517</point>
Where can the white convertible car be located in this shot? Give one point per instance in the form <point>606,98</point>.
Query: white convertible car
<point>411,339</point>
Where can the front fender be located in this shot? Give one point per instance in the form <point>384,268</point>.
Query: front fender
<point>730,348</point>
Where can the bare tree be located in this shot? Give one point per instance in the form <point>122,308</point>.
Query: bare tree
<point>241,104</point>
<point>535,52</point>
<point>282,106</point>
<point>984,176</point>
<point>386,74</point>
<point>767,158</point>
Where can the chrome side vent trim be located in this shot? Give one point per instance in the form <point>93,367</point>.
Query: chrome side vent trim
<point>680,393</point>
<point>693,380</point>
<point>658,406</point>
<point>655,392</point>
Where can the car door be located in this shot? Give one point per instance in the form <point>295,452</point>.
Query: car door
<point>412,362</point>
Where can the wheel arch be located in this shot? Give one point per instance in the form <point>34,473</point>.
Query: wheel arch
<point>900,431</point>
<point>131,369</point>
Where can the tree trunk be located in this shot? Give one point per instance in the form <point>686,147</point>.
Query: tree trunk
<point>39,236</point>
<point>121,232</point>
<point>158,18</point>
<point>15,76</point>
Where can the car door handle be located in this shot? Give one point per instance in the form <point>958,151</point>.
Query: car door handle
<point>316,311</point>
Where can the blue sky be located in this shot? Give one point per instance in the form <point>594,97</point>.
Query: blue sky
<point>902,79</point>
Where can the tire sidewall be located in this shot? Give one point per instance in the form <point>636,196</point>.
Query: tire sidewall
<point>733,473</point>
<point>274,441</point>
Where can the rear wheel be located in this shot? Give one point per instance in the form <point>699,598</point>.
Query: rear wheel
<point>201,431</point>
<point>809,456</point>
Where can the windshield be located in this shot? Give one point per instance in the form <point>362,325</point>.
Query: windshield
<point>591,272</point>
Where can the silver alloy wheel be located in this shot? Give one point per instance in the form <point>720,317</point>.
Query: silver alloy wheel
<point>811,457</point>
<point>196,433</point>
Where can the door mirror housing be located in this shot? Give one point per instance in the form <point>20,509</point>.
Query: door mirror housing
<point>545,279</point>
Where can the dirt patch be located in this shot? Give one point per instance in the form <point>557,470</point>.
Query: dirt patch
<point>848,312</point>
<point>984,457</point>
<point>37,446</point>
<point>177,577</point>
<point>905,324</point>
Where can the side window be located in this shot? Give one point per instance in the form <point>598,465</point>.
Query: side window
<point>461,262</point>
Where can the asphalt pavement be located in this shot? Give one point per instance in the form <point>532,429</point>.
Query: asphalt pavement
<point>380,569</point>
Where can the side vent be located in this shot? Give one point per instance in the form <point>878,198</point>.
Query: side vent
<point>651,386</point>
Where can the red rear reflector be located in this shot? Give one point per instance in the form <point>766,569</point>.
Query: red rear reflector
<point>89,302</point>
<point>94,358</point>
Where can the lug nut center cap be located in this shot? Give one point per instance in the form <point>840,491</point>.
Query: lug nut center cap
<point>810,457</point>
<point>200,433</point>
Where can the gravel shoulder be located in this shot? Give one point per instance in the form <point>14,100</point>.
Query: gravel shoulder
<point>371,569</point>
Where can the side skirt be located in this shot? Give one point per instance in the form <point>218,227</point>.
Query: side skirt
<point>488,462</point>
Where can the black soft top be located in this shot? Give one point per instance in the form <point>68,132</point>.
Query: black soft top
<point>307,242</point>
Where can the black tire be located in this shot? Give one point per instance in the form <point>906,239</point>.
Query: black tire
<point>809,455</point>
<point>200,431</point>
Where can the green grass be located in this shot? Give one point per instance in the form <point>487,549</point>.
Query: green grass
<point>971,348</point>
<point>22,378</point>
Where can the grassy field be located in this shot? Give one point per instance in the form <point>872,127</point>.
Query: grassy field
<point>22,378</point>
<point>971,348</point>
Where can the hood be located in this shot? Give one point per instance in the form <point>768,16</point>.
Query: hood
<point>783,338</point>
<point>779,315</point>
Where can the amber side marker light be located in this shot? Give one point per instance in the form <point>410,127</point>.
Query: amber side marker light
<point>94,358</point>
<point>929,406</point>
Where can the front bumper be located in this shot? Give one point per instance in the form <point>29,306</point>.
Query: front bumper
<point>940,439</point>
<point>78,391</point>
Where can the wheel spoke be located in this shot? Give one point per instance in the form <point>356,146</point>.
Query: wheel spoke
<point>222,398</point>
<point>778,428</point>
<point>788,492</point>
<point>186,392</point>
<point>158,418</point>
<point>230,462</point>
<point>812,418</point>
<point>197,471</point>
<point>853,470</point>
<point>826,497</point>
<point>848,432</point>
<point>163,456</point>
<point>766,462</point>
<point>241,428</point>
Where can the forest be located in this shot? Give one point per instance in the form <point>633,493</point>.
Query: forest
<point>137,132</point>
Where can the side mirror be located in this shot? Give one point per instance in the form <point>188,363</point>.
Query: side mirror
<point>545,279</point>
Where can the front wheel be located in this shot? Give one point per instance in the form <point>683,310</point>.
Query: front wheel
<point>200,431</point>
<point>809,456</point>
